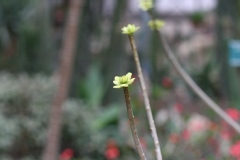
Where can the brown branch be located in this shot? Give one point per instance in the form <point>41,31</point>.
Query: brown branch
<point>132,124</point>
<point>146,100</point>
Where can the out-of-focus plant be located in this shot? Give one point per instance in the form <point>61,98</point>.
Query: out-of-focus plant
<point>25,43</point>
<point>24,110</point>
<point>155,24</point>
<point>145,5</point>
<point>10,20</point>
<point>91,88</point>
<point>197,18</point>
<point>67,154</point>
<point>185,76</point>
<point>24,103</point>
<point>196,133</point>
<point>206,79</point>
<point>235,150</point>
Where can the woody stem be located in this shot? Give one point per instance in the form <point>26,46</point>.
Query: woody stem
<point>146,99</point>
<point>132,124</point>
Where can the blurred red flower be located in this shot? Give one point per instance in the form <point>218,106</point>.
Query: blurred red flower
<point>225,134</point>
<point>67,154</point>
<point>228,132</point>
<point>235,150</point>
<point>112,152</point>
<point>185,134</point>
<point>233,113</point>
<point>178,107</point>
<point>167,82</point>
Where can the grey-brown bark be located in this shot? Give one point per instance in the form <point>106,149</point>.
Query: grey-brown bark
<point>132,124</point>
<point>66,61</point>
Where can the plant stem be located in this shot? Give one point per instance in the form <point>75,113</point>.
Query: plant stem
<point>185,76</point>
<point>132,124</point>
<point>146,100</point>
<point>194,86</point>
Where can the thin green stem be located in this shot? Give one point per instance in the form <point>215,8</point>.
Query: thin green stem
<point>146,100</point>
<point>132,124</point>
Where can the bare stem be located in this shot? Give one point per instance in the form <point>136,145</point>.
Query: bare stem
<point>132,124</point>
<point>146,100</point>
<point>184,75</point>
<point>194,86</point>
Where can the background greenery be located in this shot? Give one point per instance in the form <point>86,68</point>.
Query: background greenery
<point>31,36</point>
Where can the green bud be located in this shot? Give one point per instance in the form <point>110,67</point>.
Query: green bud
<point>156,24</point>
<point>145,5</point>
<point>130,29</point>
<point>123,81</point>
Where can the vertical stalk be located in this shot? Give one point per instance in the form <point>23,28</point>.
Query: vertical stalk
<point>67,55</point>
<point>132,124</point>
<point>146,100</point>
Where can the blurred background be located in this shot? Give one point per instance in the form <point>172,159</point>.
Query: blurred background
<point>58,59</point>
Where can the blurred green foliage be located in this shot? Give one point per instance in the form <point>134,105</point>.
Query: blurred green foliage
<point>94,113</point>
<point>25,43</point>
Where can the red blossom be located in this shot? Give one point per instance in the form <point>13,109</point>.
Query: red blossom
<point>186,134</point>
<point>235,150</point>
<point>226,131</point>
<point>112,152</point>
<point>233,113</point>
<point>67,154</point>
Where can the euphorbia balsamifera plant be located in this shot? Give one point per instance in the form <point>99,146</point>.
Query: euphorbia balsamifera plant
<point>124,82</point>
